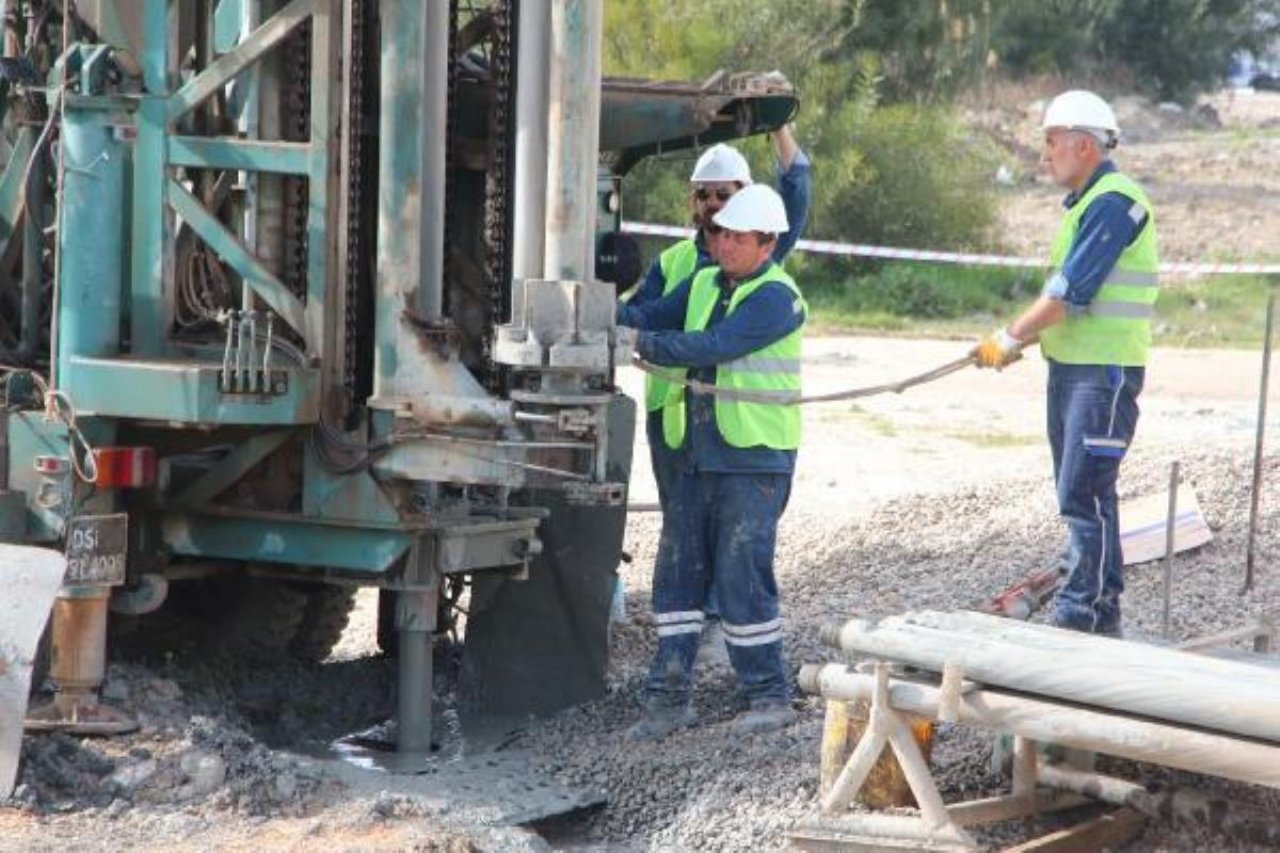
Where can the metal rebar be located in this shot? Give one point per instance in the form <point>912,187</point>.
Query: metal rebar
<point>1183,806</point>
<point>1170,527</point>
<point>1255,494</point>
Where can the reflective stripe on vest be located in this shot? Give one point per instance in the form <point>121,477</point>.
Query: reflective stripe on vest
<point>771,372</point>
<point>1115,328</point>
<point>676,263</point>
<point>757,364</point>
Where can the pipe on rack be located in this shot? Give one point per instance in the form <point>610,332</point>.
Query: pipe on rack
<point>1234,697</point>
<point>1242,759</point>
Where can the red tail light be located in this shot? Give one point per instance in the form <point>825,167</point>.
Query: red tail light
<point>125,467</point>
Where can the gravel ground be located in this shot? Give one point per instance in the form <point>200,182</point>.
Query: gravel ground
<point>235,757</point>
<point>704,790</point>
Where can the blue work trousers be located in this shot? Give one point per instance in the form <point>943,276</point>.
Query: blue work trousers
<point>719,535</point>
<point>1092,415</point>
<point>666,462</point>
<point>666,471</point>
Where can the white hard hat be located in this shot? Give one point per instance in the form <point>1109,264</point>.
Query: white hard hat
<point>754,208</point>
<point>1080,110</point>
<point>721,162</point>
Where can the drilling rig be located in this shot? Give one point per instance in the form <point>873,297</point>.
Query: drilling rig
<point>298,297</point>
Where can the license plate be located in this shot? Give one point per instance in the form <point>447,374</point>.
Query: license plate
<point>97,546</point>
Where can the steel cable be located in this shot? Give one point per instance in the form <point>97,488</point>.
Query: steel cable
<point>699,387</point>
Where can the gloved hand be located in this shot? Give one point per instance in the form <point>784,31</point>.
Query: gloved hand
<point>998,349</point>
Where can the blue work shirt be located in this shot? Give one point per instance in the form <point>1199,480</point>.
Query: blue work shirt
<point>1110,223</point>
<point>769,314</point>
<point>796,190</point>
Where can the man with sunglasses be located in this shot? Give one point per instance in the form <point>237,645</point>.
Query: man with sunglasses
<point>720,172</point>
<point>736,326</point>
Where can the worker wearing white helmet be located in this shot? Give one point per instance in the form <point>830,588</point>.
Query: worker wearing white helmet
<point>721,164</point>
<point>720,171</point>
<point>735,327</point>
<point>1093,323</point>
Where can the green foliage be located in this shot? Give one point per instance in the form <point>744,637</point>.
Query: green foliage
<point>921,50</point>
<point>664,39</point>
<point>1175,48</point>
<point>948,301</point>
<point>889,165</point>
<point>1217,311</point>
<point>926,291</point>
<point>902,176</point>
<point>926,49</point>
<point>1047,36</point>
<point>1179,47</point>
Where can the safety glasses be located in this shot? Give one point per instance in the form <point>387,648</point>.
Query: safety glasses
<point>704,194</point>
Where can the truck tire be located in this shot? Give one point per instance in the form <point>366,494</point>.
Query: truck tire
<point>388,639</point>
<point>324,618</point>
<point>262,619</point>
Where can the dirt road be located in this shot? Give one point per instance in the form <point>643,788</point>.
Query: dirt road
<point>975,426</point>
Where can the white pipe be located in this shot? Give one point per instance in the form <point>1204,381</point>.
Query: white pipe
<point>1041,720</point>
<point>532,73</point>
<point>1166,684</point>
<point>573,138</point>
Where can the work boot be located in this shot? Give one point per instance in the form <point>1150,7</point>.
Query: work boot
<point>763,717</point>
<point>712,650</point>
<point>660,720</point>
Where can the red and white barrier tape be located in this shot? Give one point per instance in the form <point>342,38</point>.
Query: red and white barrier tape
<point>827,247</point>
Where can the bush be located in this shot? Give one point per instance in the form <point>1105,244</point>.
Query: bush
<point>903,176</point>
<point>1037,37</point>
<point>1181,47</point>
<point>924,291</point>
<point>1174,48</point>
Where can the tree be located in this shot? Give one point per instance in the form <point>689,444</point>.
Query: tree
<point>1175,49</point>
<point>1178,48</point>
<point>901,175</point>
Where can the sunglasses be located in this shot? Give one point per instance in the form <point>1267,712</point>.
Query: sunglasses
<point>705,194</point>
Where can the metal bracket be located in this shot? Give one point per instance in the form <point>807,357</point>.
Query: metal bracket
<point>596,494</point>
